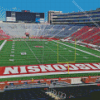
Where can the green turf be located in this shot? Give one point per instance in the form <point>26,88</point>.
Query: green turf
<point>45,55</point>
<point>50,76</point>
<point>1,41</point>
<point>85,48</point>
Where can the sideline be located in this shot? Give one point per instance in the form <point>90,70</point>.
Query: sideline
<point>79,49</point>
<point>2,45</point>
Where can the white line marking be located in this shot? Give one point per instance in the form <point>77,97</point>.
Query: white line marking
<point>12,55</point>
<point>12,51</point>
<point>79,49</point>
<point>32,52</point>
<point>85,57</point>
<point>60,46</point>
<point>52,73</point>
<point>59,54</point>
<point>11,59</point>
<point>23,53</point>
<point>2,45</point>
<point>77,54</point>
<point>70,51</point>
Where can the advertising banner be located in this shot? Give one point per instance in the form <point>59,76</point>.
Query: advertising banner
<point>11,19</point>
<point>41,20</point>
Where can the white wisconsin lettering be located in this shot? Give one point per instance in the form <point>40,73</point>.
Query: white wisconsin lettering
<point>23,69</point>
<point>97,65</point>
<point>33,69</point>
<point>72,67</point>
<point>59,67</point>
<point>91,66</point>
<point>9,70</point>
<point>82,66</point>
<point>45,68</point>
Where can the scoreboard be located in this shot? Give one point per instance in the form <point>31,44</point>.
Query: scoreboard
<point>24,16</point>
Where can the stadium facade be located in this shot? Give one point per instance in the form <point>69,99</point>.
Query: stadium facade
<point>85,17</point>
<point>24,16</point>
<point>50,14</point>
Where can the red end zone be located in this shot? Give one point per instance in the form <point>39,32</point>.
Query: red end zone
<point>48,69</point>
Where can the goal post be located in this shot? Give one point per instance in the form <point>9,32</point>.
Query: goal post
<point>65,54</point>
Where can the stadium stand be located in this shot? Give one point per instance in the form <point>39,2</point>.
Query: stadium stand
<point>57,31</point>
<point>78,49</point>
<point>80,32</point>
<point>87,34</point>
<point>3,35</point>
<point>83,33</point>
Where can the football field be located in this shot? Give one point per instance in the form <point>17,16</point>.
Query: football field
<point>31,52</point>
<point>37,51</point>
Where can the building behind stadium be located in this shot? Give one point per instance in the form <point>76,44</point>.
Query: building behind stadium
<point>24,16</point>
<point>55,17</point>
<point>87,17</point>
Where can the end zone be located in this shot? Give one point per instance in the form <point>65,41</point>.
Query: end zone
<point>48,69</point>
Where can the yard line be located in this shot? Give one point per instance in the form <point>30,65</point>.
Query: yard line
<point>11,59</point>
<point>32,52</point>
<point>79,49</point>
<point>60,46</point>
<point>59,54</point>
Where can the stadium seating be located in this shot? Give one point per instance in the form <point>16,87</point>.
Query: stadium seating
<point>77,34</point>
<point>87,34</point>
<point>57,31</point>
<point>94,39</point>
<point>3,35</point>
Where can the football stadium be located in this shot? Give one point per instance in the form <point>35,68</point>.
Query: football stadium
<point>51,58</point>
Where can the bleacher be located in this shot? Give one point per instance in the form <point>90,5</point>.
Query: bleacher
<point>79,32</point>
<point>86,34</point>
<point>3,35</point>
<point>37,30</point>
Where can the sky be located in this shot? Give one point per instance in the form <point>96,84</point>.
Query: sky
<point>46,5</point>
